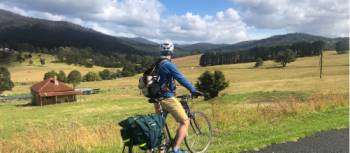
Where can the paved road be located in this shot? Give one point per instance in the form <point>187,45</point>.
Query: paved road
<point>333,141</point>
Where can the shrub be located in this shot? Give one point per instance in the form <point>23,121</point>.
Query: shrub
<point>117,74</point>
<point>42,61</point>
<point>211,83</point>
<point>50,74</point>
<point>88,65</point>
<point>128,70</point>
<point>74,77</point>
<point>105,74</point>
<point>30,62</point>
<point>61,76</point>
<point>91,76</point>
<point>286,56</point>
<point>20,58</point>
<point>28,56</point>
<point>342,46</point>
<point>5,80</point>
<point>259,62</point>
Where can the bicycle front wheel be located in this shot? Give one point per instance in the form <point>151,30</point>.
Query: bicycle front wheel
<point>199,134</point>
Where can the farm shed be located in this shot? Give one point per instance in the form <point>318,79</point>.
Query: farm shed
<point>51,91</point>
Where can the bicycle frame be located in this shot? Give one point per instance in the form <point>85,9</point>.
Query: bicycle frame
<point>169,140</point>
<point>167,131</point>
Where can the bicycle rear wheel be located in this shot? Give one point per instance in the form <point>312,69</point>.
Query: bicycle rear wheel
<point>199,134</point>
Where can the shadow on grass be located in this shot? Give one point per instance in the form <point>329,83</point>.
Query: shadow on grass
<point>306,66</point>
<point>55,61</point>
<point>25,105</point>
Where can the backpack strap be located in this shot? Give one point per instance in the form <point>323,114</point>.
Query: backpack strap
<point>155,67</point>
<point>159,63</point>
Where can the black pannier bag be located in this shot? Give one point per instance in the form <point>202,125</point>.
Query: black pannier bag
<point>144,131</point>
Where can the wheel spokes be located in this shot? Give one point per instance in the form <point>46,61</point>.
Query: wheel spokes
<point>199,136</point>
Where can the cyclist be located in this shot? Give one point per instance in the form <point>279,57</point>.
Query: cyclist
<point>167,74</point>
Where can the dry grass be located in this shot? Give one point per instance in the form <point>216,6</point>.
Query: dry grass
<point>72,138</point>
<point>250,113</point>
<point>90,122</point>
<point>75,137</point>
<point>302,75</point>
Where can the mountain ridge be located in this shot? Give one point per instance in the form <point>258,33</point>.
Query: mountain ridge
<point>280,40</point>
<point>51,34</point>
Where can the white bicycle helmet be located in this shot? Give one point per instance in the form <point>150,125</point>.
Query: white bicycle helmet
<point>167,48</point>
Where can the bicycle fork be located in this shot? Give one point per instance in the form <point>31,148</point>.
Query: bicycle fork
<point>194,125</point>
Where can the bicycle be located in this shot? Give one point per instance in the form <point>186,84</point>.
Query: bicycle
<point>199,134</point>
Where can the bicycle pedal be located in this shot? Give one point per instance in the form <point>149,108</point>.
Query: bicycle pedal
<point>164,145</point>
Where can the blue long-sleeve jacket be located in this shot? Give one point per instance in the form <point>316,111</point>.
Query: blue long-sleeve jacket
<point>168,73</point>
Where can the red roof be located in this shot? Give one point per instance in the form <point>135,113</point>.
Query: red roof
<point>52,87</point>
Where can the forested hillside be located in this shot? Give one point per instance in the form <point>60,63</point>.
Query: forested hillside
<point>300,49</point>
<point>74,44</point>
<point>279,40</point>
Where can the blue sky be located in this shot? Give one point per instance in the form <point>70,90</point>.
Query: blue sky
<point>210,7</point>
<point>190,21</point>
<point>201,7</point>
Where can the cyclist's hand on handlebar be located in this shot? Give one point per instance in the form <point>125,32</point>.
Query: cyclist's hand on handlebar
<point>197,94</point>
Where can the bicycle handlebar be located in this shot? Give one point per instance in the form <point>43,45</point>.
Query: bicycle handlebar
<point>187,96</point>
<point>184,96</point>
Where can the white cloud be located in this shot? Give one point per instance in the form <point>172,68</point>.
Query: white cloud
<point>42,15</point>
<point>124,12</point>
<point>320,17</point>
<point>136,18</point>
<point>224,27</point>
<point>145,18</point>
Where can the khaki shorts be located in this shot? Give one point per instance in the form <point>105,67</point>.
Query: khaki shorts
<point>174,107</point>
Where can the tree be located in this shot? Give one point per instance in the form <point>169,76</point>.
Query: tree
<point>318,46</point>
<point>286,56</point>
<point>117,74</point>
<point>61,76</point>
<point>74,77</point>
<point>128,70</point>
<point>30,62</point>
<point>5,80</point>
<point>28,56</point>
<point>211,83</point>
<point>50,74</point>
<point>259,62</point>
<point>342,46</point>
<point>42,61</point>
<point>105,74</point>
<point>91,76</point>
<point>20,58</point>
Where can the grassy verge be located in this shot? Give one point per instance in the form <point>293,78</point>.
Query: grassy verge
<point>239,127</point>
<point>261,134</point>
<point>240,122</point>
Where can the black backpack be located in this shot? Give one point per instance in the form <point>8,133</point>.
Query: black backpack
<point>149,82</point>
<point>144,131</point>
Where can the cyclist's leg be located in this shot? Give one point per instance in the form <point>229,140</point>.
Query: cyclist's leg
<point>181,133</point>
<point>174,107</point>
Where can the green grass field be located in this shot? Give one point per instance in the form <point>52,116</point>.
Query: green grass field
<point>261,106</point>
